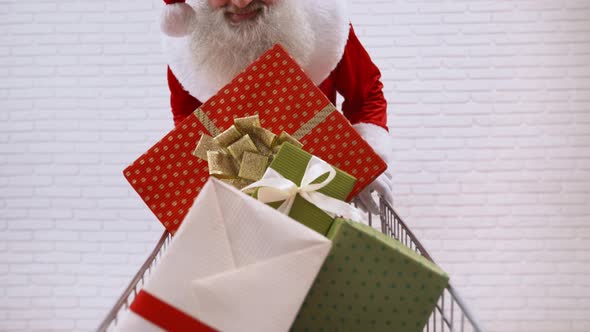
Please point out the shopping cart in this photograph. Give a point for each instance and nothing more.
(450, 314)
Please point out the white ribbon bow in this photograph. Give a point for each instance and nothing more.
(273, 187)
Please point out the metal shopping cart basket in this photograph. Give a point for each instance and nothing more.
(450, 314)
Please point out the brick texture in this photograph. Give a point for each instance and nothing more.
(489, 109)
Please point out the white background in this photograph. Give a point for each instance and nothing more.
(489, 110)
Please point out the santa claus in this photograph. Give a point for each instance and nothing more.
(208, 42)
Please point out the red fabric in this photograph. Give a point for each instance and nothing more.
(358, 80)
(182, 103)
(355, 77)
(164, 315)
(169, 2)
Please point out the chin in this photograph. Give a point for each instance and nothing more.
(248, 25)
(255, 18)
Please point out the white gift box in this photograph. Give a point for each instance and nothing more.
(235, 265)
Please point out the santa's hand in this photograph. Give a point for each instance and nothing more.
(379, 139)
(383, 186)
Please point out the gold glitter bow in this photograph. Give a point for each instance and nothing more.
(241, 154)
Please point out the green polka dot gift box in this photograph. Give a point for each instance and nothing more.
(370, 282)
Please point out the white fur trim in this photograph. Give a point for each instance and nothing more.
(378, 138)
(329, 18)
(176, 19)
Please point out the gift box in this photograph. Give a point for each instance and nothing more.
(296, 166)
(235, 264)
(168, 176)
(370, 282)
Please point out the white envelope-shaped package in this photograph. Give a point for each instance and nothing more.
(235, 264)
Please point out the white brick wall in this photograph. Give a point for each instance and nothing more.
(489, 108)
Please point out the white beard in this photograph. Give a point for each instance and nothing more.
(222, 51)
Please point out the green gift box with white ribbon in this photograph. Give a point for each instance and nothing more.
(370, 282)
(306, 188)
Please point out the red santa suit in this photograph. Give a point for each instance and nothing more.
(339, 64)
(355, 77)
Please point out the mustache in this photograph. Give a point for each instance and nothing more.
(252, 6)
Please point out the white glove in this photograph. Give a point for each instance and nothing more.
(380, 141)
(383, 185)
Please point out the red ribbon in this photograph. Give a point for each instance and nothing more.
(164, 315)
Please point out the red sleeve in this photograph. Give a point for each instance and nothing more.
(181, 102)
(358, 81)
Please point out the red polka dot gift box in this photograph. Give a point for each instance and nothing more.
(168, 176)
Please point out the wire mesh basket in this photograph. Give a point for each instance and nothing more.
(450, 314)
